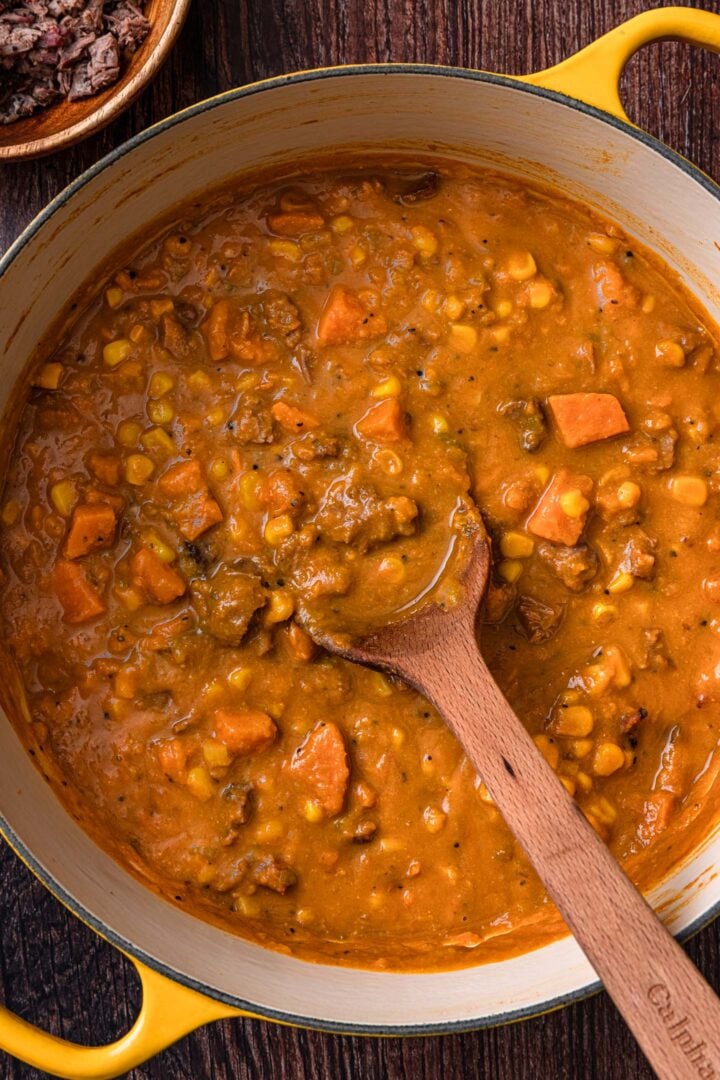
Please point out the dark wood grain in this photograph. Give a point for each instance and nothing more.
(53, 970)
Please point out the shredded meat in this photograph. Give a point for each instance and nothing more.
(654, 655)
(226, 603)
(353, 513)
(575, 566)
(539, 621)
(251, 422)
(54, 49)
(274, 874)
(638, 558)
(529, 417)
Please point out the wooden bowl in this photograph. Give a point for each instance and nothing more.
(66, 123)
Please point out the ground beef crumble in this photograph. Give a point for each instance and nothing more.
(55, 49)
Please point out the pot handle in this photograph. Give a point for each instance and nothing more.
(593, 74)
(168, 1012)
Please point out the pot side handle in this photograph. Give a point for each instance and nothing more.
(168, 1012)
(593, 74)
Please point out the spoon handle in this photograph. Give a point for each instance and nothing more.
(671, 1010)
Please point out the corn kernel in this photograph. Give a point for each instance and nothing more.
(689, 490)
(114, 297)
(548, 749)
(125, 684)
(64, 496)
(510, 570)
(158, 439)
(286, 249)
(580, 748)
(569, 784)
(389, 462)
(434, 819)
(501, 334)
(270, 832)
(604, 811)
(280, 607)
(160, 412)
(397, 737)
(439, 424)
(278, 529)
(503, 309)
(48, 377)
(390, 387)
(11, 512)
(575, 720)
(584, 782)
(116, 351)
(219, 469)
(129, 598)
(621, 676)
(380, 684)
(247, 906)
(129, 432)
(304, 916)
(543, 473)
(161, 383)
(312, 811)
(341, 224)
(199, 783)
(621, 582)
(215, 416)
(609, 757)
(604, 613)
(648, 304)
(250, 490)
(240, 678)
(216, 754)
(454, 307)
(358, 255)
(425, 241)
(539, 294)
(138, 333)
(516, 545)
(392, 570)
(628, 494)
(163, 551)
(198, 381)
(573, 503)
(162, 306)
(606, 245)
(670, 353)
(521, 266)
(431, 300)
(138, 469)
(463, 337)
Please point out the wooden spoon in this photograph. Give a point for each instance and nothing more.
(671, 1010)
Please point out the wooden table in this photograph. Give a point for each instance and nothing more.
(52, 969)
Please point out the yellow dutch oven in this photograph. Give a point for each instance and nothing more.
(566, 126)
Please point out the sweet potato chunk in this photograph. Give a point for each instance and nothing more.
(196, 510)
(292, 419)
(551, 520)
(244, 731)
(344, 320)
(296, 223)
(384, 422)
(587, 418)
(91, 528)
(106, 467)
(79, 599)
(160, 581)
(321, 764)
(217, 330)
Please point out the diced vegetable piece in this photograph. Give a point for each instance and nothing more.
(587, 418)
(172, 755)
(49, 376)
(611, 287)
(79, 599)
(384, 422)
(106, 468)
(160, 581)
(217, 330)
(549, 520)
(321, 764)
(295, 224)
(91, 528)
(182, 480)
(292, 419)
(345, 320)
(244, 731)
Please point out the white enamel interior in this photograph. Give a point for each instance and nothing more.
(483, 121)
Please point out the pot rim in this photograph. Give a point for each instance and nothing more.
(27, 235)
